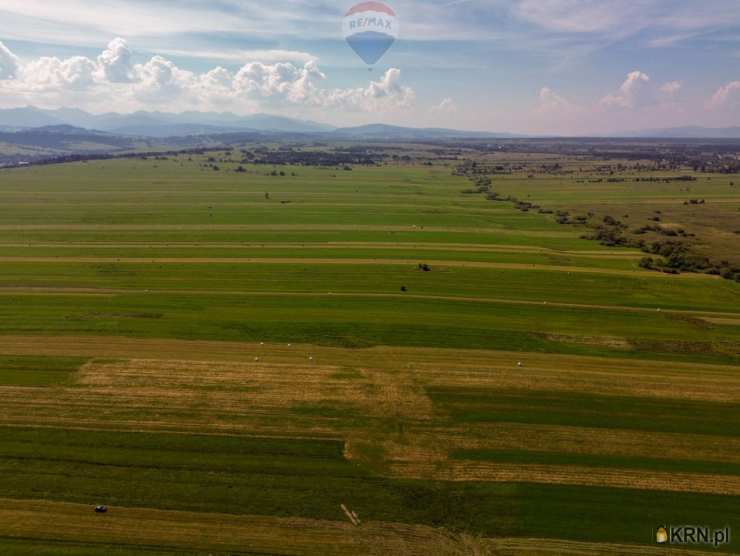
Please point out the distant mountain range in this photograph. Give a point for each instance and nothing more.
(155, 124)
(162, 125)
(390, 132)
(194, 127)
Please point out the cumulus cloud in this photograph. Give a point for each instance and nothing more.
(385, 94)
(279, 82)
(115, 62)
(112, 81)
(633, 92)
(549, 101)
(639, 91)
(727, 96)
(48, 73)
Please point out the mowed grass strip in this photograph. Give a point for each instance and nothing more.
(30, 370)
(545, 284)
(364, 321)
(533, 457)
(442, 262)
(239, 255)
(315, 242)
(589, 410)
(205, 235)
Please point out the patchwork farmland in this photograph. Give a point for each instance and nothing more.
(226, 358)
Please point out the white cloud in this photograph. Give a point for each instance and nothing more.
(550, 101)
(631, 94)
(111, 82)
(671, 89)
(235, 55)
(386, 94)
(727, 96)
(8, 63)
(447, 105)
(282, 81)
(160, 80)
(52, 73)
(115, 62)
(639, 91)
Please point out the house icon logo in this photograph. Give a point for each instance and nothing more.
(661, 535)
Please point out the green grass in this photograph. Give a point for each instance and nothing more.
(551, 408)
(636, 290)
(37, 370)
(292, 478)
(174, 209)
(24, 547)
(358, 321)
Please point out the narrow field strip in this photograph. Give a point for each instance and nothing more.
(399, 246)
(575, 441)
(724, 317)
(611, 381)
(543, 547)
(119, 347)
(363, 262)
(640, 479)
(723, 321)
(281, 227)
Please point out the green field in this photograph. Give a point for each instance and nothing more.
(225, 359)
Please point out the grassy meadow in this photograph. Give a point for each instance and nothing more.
(225, 359)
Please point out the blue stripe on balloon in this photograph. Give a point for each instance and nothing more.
(370, 45)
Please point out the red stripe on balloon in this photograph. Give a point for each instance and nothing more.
(370, 7)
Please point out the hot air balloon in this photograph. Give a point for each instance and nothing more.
(370, 28)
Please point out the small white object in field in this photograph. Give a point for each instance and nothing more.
(520, 364)
(352, 516)
(256, 358)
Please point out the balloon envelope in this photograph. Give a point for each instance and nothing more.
(370, 29)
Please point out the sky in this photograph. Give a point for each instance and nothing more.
(568, 67)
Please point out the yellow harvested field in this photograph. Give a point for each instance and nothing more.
(722, 321)
(573, 475)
